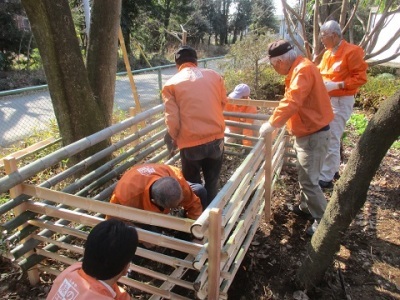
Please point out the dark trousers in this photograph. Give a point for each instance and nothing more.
(208, 159)
(200, 191)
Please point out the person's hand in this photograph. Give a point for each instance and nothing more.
(330, 85)
(265, 128)
(171, 144)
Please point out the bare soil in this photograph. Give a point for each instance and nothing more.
(367, 266)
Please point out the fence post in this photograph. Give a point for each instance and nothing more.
(268, 175)
(128, 70)
(214, 253)
(160, 83)
(10, 166)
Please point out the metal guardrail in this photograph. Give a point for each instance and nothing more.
(157, 68)
(26, 111)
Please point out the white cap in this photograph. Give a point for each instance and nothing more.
(240, 91)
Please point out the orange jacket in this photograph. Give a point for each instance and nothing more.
(346, 65)
(248, 109)
(306, 105)
(133, 189)
(241, 109)
(74, 283)
(194, 101)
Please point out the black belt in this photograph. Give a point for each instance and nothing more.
(325, 128)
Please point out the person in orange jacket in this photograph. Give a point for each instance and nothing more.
(109, 249)
(344, 71)
(241, 91)
(158, 188)
(194, 102)
(307, 112)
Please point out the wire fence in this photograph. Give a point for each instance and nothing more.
(27, 111)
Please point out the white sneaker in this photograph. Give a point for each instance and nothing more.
(311, 230)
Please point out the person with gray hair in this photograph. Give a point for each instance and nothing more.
(159, 188)
(166, 192)
(344, 71)
(306, 111)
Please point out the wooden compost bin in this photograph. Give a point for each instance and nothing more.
(48, 222)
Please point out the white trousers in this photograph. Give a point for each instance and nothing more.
(342, 109)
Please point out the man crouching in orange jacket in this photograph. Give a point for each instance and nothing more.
(158, 188)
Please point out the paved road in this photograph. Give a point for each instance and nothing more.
(24, 114)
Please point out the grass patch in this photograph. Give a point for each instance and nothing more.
(359, 122)
(356, 125)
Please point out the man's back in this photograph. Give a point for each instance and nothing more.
(194, 102)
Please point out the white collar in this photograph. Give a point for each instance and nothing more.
(113, 293)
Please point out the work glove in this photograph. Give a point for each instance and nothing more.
(266, 127)
(330, 85)
(171, 145)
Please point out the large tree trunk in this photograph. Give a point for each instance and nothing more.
(79, 109)
(351, 191)
(102, 53)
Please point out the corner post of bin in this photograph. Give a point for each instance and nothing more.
(10, 166)
(214, 253)
(268, 175)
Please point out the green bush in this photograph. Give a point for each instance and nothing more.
(244, 66)
(376, 70)
(270, 84)
(376, 90)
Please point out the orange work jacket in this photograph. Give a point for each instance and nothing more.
(248, 109)
(306, 106)
(346, 64)
(74, 283)
(194, 102)
(133, 189)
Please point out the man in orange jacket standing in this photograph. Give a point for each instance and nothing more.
(343, 70)
(194, 102)
(109, 249)
(306, 110)
(158, 188)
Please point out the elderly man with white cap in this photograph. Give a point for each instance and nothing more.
(307, 112)
(241, 91)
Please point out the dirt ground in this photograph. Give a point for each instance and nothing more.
(367, 266)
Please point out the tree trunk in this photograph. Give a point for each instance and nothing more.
(78, 108)
(102, 53)
(351, 191)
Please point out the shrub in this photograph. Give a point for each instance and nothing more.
(376, 90)
(376, 70)
(244, 66)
